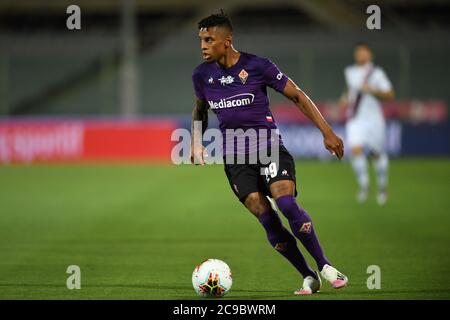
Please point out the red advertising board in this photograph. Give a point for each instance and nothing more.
(91, 140)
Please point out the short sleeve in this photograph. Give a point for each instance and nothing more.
(273, 77)
(382, 82)
(198, 85)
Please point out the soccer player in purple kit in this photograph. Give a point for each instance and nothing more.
(234, 85)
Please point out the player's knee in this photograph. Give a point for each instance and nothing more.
(256, 203)
(356, 151)
(282, 188)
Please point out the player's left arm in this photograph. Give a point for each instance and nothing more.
(331, 141)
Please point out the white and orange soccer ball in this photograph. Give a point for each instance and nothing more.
(212, 278)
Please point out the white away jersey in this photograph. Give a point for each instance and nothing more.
(369, 107)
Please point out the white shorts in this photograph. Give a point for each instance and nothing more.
(370, 135)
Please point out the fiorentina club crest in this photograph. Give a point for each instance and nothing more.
(306, 227)
(281, 246)
(243, 75)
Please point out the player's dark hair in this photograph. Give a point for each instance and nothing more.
(216, 20)
(362, 44)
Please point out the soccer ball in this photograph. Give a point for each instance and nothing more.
(212, 278)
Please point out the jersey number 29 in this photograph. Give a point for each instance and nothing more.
(271, 171)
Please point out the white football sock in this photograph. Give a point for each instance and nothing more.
(381, 167)
(359, 165)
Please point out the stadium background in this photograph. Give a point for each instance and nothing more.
(85, 145)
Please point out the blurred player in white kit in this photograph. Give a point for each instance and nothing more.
(367, 84)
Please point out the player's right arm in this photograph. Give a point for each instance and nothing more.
(198, 127)
(343, 99)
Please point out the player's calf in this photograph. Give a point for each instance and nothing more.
(283, 241)
(381, 167)
(302, 227)
(359, 165)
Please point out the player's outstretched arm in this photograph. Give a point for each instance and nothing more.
(331, 141)
(198, 127)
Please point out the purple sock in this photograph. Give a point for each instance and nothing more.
(284, 242)
(302, 228)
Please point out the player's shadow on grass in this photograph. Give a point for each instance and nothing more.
(253, 294)
(177, 291)
(168, 290)
(236, 293)
(264, 294)
(148, 286)
(41, 285)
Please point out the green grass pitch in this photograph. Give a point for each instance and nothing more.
(137, 232)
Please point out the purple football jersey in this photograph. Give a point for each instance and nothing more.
(238, 96)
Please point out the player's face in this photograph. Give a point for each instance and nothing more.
(213, 43)
(362, 55)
